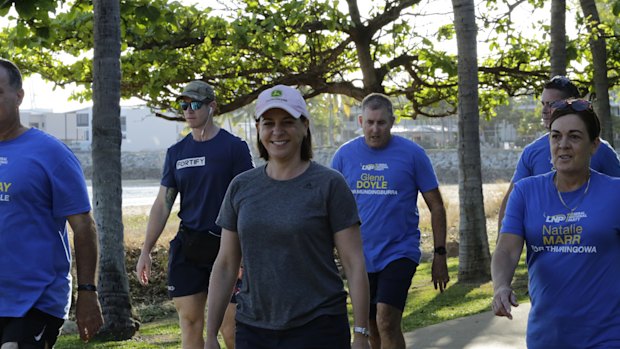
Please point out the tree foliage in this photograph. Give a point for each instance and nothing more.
(247, 46)
(30, 11)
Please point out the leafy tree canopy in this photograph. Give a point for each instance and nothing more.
(246, 46)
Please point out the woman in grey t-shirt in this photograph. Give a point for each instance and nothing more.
(284, 220)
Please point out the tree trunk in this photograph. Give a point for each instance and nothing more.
(474, 256)
(107, 188)
(599, 64)
(558, 37)
(362, 39)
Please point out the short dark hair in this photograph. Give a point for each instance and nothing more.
(15, 76)
(376, 101)
(306, 146)
(564, 85)
(588, 116)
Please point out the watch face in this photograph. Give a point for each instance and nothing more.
(362, 330)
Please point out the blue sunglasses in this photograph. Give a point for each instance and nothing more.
(194, 104)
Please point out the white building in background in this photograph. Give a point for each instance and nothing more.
(141, 129)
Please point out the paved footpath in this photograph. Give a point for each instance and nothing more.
(481, 331)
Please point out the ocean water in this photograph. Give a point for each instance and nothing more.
(135, 192)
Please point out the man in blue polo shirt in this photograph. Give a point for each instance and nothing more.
(41, 188)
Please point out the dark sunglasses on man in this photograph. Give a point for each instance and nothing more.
(195, 105)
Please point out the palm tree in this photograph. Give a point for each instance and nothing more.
(106, 153)
(474, 256)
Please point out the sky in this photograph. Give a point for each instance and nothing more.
(40, 94)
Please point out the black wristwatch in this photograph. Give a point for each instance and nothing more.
(441, 250)
(87, 287)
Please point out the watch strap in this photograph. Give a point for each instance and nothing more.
(441, 250)
(87, 287)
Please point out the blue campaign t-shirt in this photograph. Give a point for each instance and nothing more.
(385, 183)
(201, 172)
(536, 159)
(573, 260)
(41, 183)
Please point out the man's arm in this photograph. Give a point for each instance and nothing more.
(435, 205)
(87, 310)
(160, 211)
(502, 210)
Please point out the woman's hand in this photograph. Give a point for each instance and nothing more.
(503, 299)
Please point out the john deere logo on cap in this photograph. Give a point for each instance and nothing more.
(276, 93)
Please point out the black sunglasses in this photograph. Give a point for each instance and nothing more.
(194, 104)
(572, 104)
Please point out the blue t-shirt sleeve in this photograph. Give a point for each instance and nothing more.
(336, 161)
(167, 178)
(68, 186)
(424, 174)
(605, 160)
(522, 170)
(515, 212)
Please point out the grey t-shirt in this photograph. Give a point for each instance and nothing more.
(286, 230)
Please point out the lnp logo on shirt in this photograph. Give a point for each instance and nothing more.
(3, 160)
(569, 217)
(374, 167)
(191, 162)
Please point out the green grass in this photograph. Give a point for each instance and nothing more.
(425, 306)
(161, 334)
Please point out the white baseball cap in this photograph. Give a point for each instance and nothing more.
(282, 97)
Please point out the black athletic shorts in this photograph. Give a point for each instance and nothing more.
(186, 277)
(33, 331)
(324, 332)
(391, 285)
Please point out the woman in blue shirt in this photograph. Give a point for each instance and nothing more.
(568, 220)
